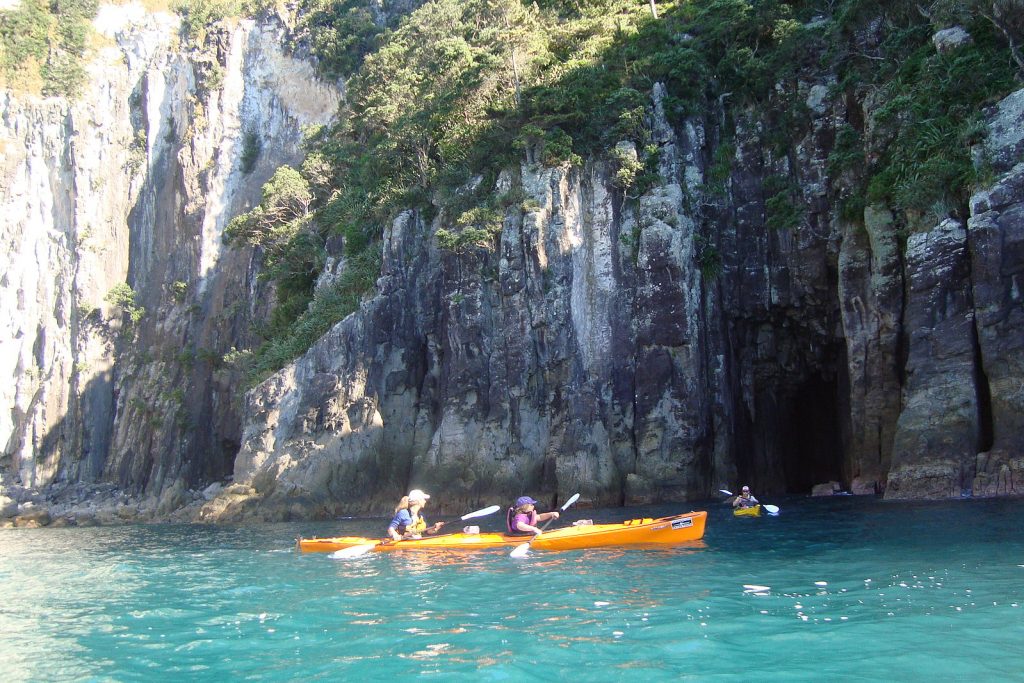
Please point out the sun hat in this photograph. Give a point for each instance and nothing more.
(525, 500)
(416, 494)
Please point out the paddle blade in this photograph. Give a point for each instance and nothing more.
(481, 513)
(771, 509)
(520, 551)
(352, 551)
(728, 493)
(571, 500)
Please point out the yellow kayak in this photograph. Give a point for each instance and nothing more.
(671, 530)
(753, 511)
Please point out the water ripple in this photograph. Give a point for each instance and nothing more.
(803, 596)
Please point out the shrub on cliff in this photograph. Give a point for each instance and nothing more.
(42, 45)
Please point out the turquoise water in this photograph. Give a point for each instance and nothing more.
(859, 590)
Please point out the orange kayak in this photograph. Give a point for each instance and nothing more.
(671, 530)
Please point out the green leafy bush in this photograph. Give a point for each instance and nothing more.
(198, 15)
(476, 227)
(179, 290)
(317, 317)
(340, 34)
(45, 43)
(251, 147)
(124, 297)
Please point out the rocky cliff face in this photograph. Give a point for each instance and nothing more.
(635, 346)
(594, 350)
(133, 184)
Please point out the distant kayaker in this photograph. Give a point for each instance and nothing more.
(522, 518)
(407, 522)
(744, 500)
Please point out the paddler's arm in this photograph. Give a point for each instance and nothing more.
(400, 519)
(535, 530)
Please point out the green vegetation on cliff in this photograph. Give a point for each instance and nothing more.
(42, 43)
(441, 100)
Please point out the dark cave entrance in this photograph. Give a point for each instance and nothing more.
(809, 437)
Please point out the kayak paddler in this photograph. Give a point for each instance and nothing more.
(407, 522)
(744, 500)
(522, 518)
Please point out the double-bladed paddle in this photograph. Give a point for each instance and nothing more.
(522, 550)
(770, 509)
(363, 548)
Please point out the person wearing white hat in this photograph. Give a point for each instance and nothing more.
(744, 500)
(408, 523)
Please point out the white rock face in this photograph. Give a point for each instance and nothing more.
(265, 94)
(1005, 142)
(109, 189)
(949, 39)
(67, 189)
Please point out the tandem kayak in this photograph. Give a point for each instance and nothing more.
(671, 530)
(752, 511)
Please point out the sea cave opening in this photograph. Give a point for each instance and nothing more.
(810, 443)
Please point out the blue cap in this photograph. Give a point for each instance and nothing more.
(525, 500)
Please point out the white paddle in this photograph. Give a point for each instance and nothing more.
(770, 509)
(353, 551)
(363, 548)
(522, 550)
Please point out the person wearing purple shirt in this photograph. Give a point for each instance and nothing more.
(522, 518)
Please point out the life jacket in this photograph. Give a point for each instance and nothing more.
(418, 526)
(510, 517)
